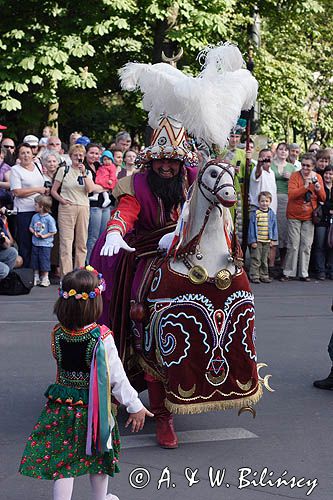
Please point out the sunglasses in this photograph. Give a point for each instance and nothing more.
(8, 147)
(54, 144)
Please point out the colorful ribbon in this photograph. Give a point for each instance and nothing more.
(100, 418)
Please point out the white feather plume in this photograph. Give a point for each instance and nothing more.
(207, 105)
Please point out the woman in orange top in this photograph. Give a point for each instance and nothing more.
(305, 189)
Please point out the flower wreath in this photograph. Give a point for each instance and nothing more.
(86, 295)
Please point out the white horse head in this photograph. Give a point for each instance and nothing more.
(216, 183)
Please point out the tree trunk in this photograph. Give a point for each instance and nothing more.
(52, 120)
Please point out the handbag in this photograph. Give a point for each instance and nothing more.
(317, 215)
(17, 282)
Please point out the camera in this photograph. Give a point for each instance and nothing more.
(6, 212)
(80, 178)
(314, 180)
(48, 184)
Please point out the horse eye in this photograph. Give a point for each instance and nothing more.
(213, 174)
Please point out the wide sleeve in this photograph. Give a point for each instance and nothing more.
(125, 215)
(121, 388)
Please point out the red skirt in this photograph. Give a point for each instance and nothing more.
(200, 341)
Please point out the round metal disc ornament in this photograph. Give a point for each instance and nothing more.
(223, 279)
(198, 275)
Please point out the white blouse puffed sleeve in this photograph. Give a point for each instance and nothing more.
(121, 387)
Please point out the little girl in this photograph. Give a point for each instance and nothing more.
(106, 177)
(77, 432)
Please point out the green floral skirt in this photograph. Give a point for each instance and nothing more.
(56, 447)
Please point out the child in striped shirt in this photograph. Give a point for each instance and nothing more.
(262, 234)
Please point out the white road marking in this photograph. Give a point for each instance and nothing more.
(189, 437)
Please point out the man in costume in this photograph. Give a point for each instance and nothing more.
(149, 204)
(148, 208)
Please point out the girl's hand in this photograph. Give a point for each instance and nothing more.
(286, 175)
(254, 245)
(138, 419)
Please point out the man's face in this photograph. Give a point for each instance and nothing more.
(54, 143)
(167, 169)
(9, 145)
(234, 140)
(294, 153)
(118, 158)
(124, 144)
(265, 159)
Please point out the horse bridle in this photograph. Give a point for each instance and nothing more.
(215, 190)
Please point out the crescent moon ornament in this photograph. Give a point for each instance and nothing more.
(259, 366)
(173, 59)
(249, 409)
(245, 387)
(266, 383)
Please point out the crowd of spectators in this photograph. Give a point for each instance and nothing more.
(42, 180)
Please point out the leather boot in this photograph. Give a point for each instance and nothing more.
(327, 383)
(165, 433)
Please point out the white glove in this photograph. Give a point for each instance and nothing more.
(113, 243)
(165, 241)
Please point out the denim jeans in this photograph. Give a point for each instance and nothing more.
(323, 255)
(98, 219)
(7, 261)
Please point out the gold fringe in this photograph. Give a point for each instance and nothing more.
(148, 369)
(214, 405)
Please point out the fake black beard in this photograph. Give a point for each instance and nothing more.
(170, 191)
(10, 158)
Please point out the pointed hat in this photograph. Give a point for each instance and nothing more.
(169, 142)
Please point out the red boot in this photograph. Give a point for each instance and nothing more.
(165, 433)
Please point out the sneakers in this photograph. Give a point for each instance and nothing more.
(45, 282)
(36, 279)
(266, 279)
(255, 280)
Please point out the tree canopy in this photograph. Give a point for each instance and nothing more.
(67, 54)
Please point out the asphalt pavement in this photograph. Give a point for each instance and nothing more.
(290, 441)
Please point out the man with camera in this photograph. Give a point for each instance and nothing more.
(263, 179)
(8, 254)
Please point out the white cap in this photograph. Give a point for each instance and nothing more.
(43, 141)
(32, 140)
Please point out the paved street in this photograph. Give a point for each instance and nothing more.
(292, 430)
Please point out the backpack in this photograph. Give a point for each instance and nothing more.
(18, 282)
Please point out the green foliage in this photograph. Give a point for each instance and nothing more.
(70, 52)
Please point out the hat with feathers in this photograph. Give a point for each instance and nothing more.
(208, 105)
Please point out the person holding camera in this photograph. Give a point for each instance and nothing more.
(71, 187)
(8, 254)
(26, 181)
(304, 191)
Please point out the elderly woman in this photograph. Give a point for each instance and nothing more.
(282, 170)
(71, 187)
(26, 181)
(304, 191)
